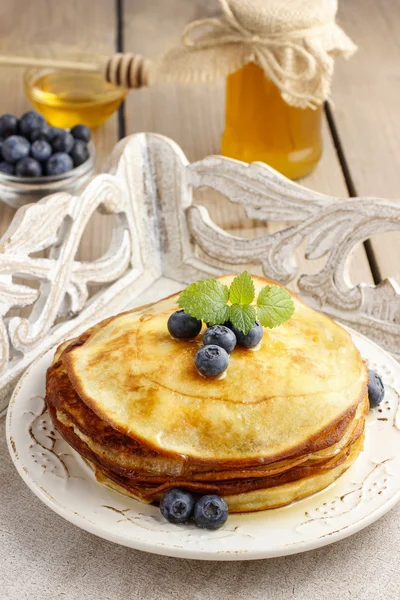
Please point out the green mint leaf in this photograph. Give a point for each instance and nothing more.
(242, 317)
(274, 306)
(206, 300)
(241, 290)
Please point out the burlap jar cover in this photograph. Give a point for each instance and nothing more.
(293, 41)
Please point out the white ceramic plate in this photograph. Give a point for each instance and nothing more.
(60, 478)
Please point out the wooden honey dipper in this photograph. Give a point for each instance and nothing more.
(122, 69)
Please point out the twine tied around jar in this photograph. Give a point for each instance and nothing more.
(298, 59)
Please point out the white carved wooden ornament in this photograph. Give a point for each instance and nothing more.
(160, 234)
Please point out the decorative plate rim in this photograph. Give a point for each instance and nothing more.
(182, 551)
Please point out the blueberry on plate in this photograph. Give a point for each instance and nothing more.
(211, 361)
(177, 506)
(219, 335)
(183, 326)
(40, 133)
(28, 167)
(376, 389)
(62, 141)
(79, 153)
(8, 125)
(6, 167)
(29, 121)
(14, 148)
(251, 339)
(41, 150)
(210, 512)
(58, 163)
(81, 132)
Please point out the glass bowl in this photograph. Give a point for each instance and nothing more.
(66, 98)
(18, 191)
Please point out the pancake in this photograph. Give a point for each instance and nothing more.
(287, 420)
(218, 478)
(285, 494)
(126, 455)
(257, 500)
(237, 492)
(306, 376)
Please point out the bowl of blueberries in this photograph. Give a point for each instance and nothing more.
(37, 159)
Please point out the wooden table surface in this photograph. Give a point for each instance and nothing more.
(361, 131)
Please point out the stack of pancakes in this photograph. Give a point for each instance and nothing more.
(285, 422)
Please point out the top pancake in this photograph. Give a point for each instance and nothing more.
(273, 403)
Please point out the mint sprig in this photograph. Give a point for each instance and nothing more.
(242, 316)
(241, 290)
(208, 299)
(274, 306)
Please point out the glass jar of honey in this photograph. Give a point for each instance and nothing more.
(277, 59)
(261, 126)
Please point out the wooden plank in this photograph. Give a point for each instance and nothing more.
(365, 96)
(193, 116)
(44, 26)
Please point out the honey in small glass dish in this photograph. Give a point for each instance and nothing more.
(66, 98)
(261, 126)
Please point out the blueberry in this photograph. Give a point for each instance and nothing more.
(51, 132)
(183, 326)
(8, 125)
(41, 150)
(211, 360)
(6, 167)
(40, 133)
(28, 167)
(79, 153)
(58, 163)
(81, 132)
(177, 506)
(29, 121)
(14, 148)
(251, 339)
(210, 512)
(219, 335)
(62, 141)
(227, 324)
(376, 389)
